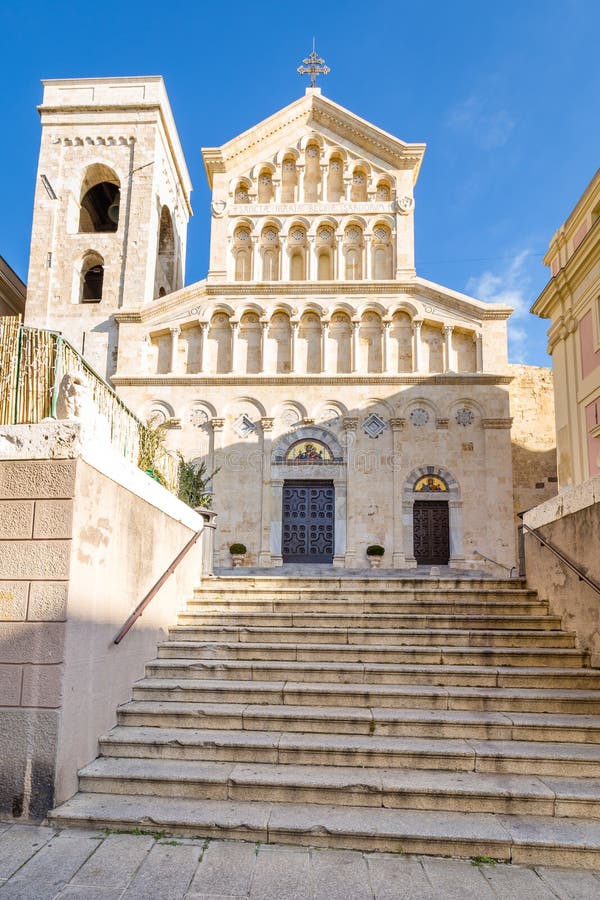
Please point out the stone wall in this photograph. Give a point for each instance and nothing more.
(82, 539)
(571, 522)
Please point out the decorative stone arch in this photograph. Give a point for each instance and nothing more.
(333, 470)
(454, 498)
(159, 412)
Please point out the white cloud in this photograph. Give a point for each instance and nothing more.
(510, 288)
(488, 127)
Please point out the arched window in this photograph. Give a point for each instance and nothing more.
(297, 244)
(335, 180)
(100, 200)
(382, 252)
(353, 253)
(241, 193)
(92, 278)
(165, 260)
(383, 191)
(265, 187)
(358, 192)
(242, 254)
(325, 244)
(270, 253)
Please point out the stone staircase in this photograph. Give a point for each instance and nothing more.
(444, 716)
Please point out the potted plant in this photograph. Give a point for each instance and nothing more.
(238, 553)
(374, 555)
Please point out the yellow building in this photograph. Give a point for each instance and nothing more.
(571, 299)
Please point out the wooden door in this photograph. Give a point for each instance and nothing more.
(431, 530)
(308, 521)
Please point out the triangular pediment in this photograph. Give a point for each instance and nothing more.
(311, 115)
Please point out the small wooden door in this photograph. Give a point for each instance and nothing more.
(308, 522)
(431, 530)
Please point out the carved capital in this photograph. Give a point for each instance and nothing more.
(397, 424)
(349, 423)
(217, 424)
(267, 423)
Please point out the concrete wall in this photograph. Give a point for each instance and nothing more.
(82, 539)
(570, 521)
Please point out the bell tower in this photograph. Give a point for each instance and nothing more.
(111, 208)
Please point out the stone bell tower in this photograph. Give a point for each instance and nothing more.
(112, 202)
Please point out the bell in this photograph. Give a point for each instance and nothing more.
(113, 210)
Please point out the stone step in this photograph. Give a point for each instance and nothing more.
(305, 693)
(369, 653)
(168, 666)
(372, 620)
(373, 582)
(345, 786)
(414, 636)
(374, 751)
(428, 723)
(529, 840)
(435, 606)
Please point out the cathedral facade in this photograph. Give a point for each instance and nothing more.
(344, 400)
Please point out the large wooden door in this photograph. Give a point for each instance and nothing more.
(431, 533)
(308, 521)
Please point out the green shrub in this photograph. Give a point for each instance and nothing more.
(375, 550)
(237, 549)
(193, 482)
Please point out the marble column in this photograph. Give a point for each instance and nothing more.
(368, 260)
(398, 558)
(311, 259)
(300, 185)
(285, 258)
(203, 346)
(264, 556)
(146, 354)
(347, 186)
(387, 353)
(277, 186)
(355, 344)
(478, 339)
(256, 273)
(417, 354)
(234, 345)
(323, 185)
(175, 332)
(294, 348)
(449, 365)
(263, 344)
(338, 261)
(350, 425)
(324, 343)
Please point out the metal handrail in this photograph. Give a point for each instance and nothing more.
(154, 590)
(510, 569)
(563, 558)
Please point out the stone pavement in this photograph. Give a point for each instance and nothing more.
(41, 863)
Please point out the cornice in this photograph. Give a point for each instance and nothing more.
(569, 277)
(325, 380)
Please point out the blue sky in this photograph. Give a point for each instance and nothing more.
(505, 95)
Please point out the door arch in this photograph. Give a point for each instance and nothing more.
(432, 509)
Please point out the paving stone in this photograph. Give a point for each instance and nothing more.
(398, 877)
(226, 869)
(52, 867)
(456, 879)
(165, 874)
(19, 843)
(281, 872)
(115, 862)
(339, 874)
(516, 881)
(571, 884)
(89, 892)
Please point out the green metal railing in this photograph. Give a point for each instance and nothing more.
(33, 362)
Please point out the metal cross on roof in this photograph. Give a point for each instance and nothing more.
(313, 65)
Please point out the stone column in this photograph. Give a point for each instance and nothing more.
(300, 185)
(324, 342)
(264, 556)
(146, 354)
(350, 425)
(398, 557)
(277, 186)
(386, 361)
(276, 513)
(294, 348)
(175, 332)
(347, 186)
(338, 257)
(263, 344)
(368, 260)
(417, 356)
(355, 344)
(311, 259)
(234, 345)
(478, 339)
(323, 185)
(203, 346)
(448, 351)
(256, 274)
(285, 259)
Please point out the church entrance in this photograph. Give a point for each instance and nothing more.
(431, 532)
(308, 522)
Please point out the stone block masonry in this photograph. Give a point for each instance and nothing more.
(83, 536)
